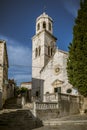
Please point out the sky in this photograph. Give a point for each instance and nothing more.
(17, 27)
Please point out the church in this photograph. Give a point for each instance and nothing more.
(49, 73)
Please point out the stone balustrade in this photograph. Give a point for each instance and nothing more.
(56, 97)
(45, 105)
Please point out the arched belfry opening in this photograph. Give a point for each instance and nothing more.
(50, 26)
(44, 25)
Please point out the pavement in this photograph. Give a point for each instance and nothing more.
(65, 127)
(74, 122)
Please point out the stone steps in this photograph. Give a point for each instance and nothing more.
(20, 118)
(11, 104)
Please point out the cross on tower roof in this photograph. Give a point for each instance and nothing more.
(44, 9)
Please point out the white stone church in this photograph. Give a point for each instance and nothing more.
(49, 74)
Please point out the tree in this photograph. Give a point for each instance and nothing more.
(77, 61)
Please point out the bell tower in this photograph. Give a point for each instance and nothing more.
(43, 48)
(44, 22)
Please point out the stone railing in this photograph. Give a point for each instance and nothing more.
(56, 97)
(68, 97)
(45, 105)
(53, 97)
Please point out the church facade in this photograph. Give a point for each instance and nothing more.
(49, 74)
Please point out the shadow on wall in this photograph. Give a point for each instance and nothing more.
(19, 120)
(37, 89)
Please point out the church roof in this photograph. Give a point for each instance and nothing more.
(63, 51)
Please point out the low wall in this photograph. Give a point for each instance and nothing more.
(66, 105)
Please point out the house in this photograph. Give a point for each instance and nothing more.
(49, 74)
(3, 72)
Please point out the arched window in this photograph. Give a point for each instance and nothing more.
(38, 26)
(36, 52)
(39, 50)
(50, 26)
(49, 50)
(44, 24)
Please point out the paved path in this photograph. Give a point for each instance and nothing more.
(75, 122)
(65, 127)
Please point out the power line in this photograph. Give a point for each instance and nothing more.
(16, 65)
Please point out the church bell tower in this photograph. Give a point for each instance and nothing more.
(43, 48)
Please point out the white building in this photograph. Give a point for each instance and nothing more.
(49, 74)
(27, 85)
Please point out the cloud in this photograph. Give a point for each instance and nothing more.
(19, 60)
(22, 78)
(71, 6)
(19, 55)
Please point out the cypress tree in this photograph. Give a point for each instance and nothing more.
(77, 61)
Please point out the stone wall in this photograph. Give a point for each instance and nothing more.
(68, 104)
(68, 108)
(0, 100)
(47, 114)
(83, 105)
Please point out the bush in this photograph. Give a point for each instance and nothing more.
(23, 90)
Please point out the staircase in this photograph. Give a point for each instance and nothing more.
(11, 104)
(12, 119)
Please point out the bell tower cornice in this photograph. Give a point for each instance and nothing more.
(44, 31)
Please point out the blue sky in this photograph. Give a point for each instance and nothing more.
(17, 27)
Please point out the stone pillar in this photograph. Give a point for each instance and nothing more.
(34, 108)
(23, 101)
